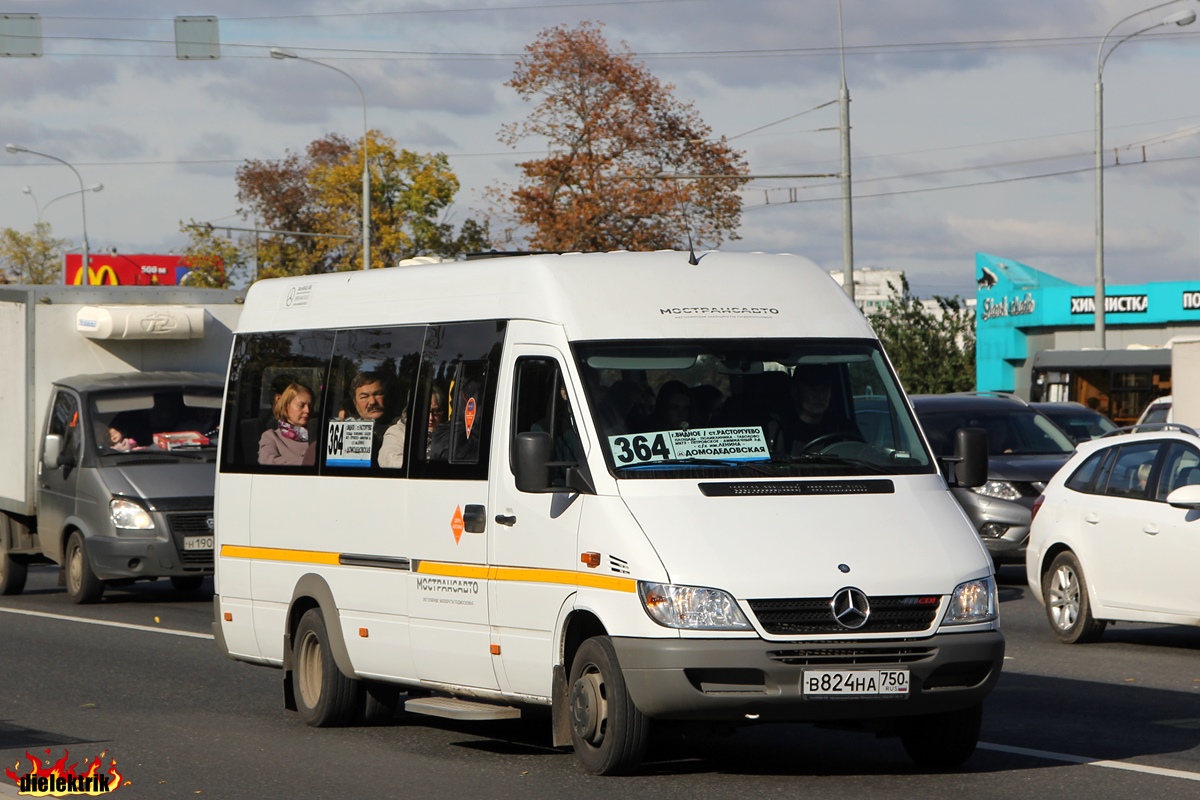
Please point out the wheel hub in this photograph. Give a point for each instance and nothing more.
(588, 708)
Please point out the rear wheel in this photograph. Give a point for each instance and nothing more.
(942, 741)
(325, 697)
(608, 733)
(82, 584)
(1067, 605)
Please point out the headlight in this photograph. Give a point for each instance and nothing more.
(973, 601)
(1001, 490)
(691, 607)
(126, 514)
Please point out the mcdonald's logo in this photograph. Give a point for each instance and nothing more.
(106, 275)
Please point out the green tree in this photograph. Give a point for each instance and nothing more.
(214, 259)
(320, 192)
(611, 127)
(933, 352)
(34, 257)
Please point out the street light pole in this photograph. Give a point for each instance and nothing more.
(99, 187)
(847, 216)
(279, 53)
(1178, 18)
(14, 148)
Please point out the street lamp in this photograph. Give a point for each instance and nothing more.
(99, 187)
(279, 53)
(1186, 17)
(29, 191)
(15, 148)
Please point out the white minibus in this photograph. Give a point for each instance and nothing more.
(622, 487)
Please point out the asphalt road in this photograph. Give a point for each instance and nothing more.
(138, 679)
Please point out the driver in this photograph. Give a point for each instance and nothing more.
(811, 389)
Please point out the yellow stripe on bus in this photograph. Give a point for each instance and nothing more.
(278, 554)
(527, 575)
(445, 569)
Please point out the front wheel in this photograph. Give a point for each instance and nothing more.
(82, 584)
(608, 733)
(1067, 605)
(325, 697)
(942, 741)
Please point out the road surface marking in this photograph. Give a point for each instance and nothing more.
(1094, 762)
(106, 623)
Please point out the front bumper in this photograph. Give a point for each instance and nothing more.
(159, 553)
(729, 679)
(1009, 519)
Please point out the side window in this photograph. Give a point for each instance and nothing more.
(1181, 467)
(456, 394)
(1131, 470)
(64, 422)
(1081, 481)
(540, 404)
(371, 387)
(275, 399)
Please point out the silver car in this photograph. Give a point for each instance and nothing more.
(1025, 449)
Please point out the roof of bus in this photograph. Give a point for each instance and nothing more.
(621, 295)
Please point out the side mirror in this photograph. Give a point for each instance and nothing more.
(971, 457)
(1185, 497)
(532, 456)
(52, 451)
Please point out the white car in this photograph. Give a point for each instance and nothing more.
(1116, 534)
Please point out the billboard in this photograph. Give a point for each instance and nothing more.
(121, 269)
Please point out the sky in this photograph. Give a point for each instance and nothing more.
(972, 124)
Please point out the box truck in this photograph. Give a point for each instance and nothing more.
(111, 407)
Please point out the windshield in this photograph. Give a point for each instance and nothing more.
(1020, 432)
(151, 420)
(749, 407)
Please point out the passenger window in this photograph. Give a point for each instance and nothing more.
(1081, 481)
(456, 394)
(1180, 468)
(270, 370)
(1131, 471)
(371, 386)
(540, 403)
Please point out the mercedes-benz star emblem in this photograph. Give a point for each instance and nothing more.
(850, 608)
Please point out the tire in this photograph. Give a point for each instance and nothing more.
(942, 741)
(1068, 608)
(82, 584)
(608, 733)
(325, 697)
(13, 569)
(187, 583)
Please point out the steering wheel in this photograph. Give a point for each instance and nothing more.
(821, 441)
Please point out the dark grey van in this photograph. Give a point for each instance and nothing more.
(126, 476)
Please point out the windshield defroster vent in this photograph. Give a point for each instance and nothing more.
(761, 488)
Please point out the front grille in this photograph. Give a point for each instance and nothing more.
(1029, 488)
(814, 615)
(852, 656)
(191, 525)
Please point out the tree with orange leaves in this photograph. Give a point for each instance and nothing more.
(614, 133)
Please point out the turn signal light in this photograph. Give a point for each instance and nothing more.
(591, 559)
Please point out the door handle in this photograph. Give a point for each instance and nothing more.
(501, 519)
(1092, 519)
(474, 518)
